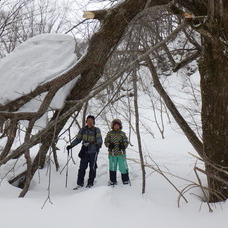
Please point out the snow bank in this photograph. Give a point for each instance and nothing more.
(34, 62)
(103, 206)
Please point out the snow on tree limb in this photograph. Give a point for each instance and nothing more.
(34, 139)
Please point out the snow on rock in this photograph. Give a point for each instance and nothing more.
(34, 62)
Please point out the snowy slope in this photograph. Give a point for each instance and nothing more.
(122, 206)
(34, 62)
(43, 58)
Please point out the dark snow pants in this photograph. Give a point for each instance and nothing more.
(91, 160)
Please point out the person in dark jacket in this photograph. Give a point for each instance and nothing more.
(117, 142)
(91, 139)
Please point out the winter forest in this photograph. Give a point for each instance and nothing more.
(153, 73)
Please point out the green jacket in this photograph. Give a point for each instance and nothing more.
(116, 137)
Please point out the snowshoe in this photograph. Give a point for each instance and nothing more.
(127, 182)
(112, 183)
(89, 185)
(78, 187)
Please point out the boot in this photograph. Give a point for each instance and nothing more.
(125, 178)
(112, 175)
(89, 185)
(78, 187)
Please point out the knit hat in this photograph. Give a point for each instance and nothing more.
(116, 121)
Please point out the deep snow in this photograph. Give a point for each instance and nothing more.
(34, 62)
(100, 206)
(121, 206)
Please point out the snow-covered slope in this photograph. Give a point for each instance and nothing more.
(43, 58)
(122, 206)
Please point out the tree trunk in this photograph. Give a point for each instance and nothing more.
(213, 69)
(214, 89)
(90, 67)
(47, 140)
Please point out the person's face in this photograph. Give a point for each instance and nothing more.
(90, 122)
(116, 127)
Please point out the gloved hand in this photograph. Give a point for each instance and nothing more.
(86, 144)
(111, 146)
(121, 146)
(98, 146)
(68, 147)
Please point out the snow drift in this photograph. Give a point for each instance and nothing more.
(34, 62)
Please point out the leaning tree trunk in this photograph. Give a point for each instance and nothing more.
(47, 141)
(91, 66)
(214, 88)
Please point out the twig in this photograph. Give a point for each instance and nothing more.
(49, 186)
(158, 170)
(81, 22)
(200, 184)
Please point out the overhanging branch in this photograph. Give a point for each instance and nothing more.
(35, 139)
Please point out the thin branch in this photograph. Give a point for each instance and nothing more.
(186, 61)
(158, 170)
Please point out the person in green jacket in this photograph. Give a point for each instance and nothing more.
(117, 142)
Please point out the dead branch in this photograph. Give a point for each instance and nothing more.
(186, 61)
(158, 170)
(190, 134)
(97, 14)
(28, 161)
(11, 134)
(201, 186)
(49, 187)
(212, 176)
(2, 178)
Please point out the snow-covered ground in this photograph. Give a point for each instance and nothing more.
(121, 206)
(102, 205)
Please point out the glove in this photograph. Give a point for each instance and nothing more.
(86, 144)
(68, 147)
(98, 146)
(121, 146)
(111, 146)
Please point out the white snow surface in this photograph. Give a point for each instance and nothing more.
(34, 62)
(43, 58)
(103, 206)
